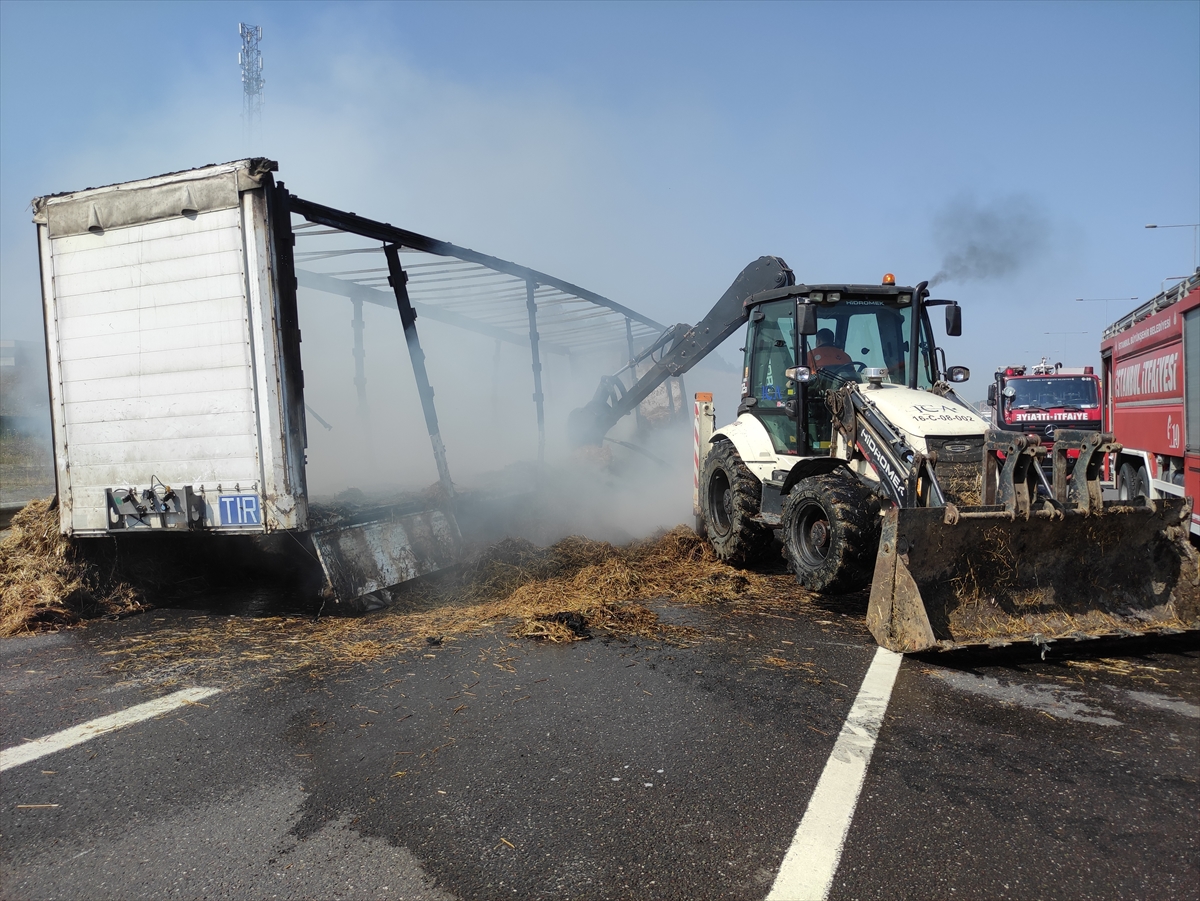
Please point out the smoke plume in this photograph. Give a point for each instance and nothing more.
(987, 241)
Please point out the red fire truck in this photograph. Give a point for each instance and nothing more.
(1042, 399)
(1151, 377)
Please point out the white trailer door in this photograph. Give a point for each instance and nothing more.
(151, 350)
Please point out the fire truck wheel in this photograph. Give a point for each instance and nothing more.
(1131, 482)
(831, 532)
(1124, 482)
(730, 498)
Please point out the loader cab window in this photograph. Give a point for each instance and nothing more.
(866, 333)
(768, 356)
(871, 333)
(852, 335)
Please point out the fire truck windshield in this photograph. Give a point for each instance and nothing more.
(1053, 393)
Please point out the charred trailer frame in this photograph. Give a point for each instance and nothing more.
(177, 388)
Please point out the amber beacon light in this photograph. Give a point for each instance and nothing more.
(889, 279)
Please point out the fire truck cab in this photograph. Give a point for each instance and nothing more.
(1041, 399)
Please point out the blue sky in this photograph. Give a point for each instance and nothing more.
(650, 151)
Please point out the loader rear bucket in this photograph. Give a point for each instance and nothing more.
(946, 579)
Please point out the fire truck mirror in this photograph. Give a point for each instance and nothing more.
(992, 395)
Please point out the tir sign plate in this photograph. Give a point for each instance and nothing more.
(240, 510)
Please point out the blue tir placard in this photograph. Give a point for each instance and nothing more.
(240, 510)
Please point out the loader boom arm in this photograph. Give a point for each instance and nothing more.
(900, 468)
(675, 352)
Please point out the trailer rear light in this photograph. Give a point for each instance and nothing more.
(889, 279)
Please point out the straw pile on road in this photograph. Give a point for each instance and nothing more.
(512, 589)
(561, 592)
(45, 581)
(556, 593)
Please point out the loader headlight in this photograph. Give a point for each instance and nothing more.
(799, 374)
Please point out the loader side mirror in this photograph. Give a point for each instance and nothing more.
(992, 394)
(958, 373)
(954, 321)
(807, 319)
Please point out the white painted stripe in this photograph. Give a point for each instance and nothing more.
(77, 735)
(810, 864)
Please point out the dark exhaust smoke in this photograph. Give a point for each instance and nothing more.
(987, 241)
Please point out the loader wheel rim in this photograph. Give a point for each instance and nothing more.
(813, 534)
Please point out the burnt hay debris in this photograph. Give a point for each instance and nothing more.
(46, 581)
(566, 592)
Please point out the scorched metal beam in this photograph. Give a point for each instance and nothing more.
(390, 234)
(318, 281)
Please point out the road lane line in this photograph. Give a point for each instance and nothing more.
(77, 735)
(811, 862)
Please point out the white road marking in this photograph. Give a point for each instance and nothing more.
(77, 735)
(810, 864)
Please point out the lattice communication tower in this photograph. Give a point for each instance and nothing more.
(252, 81)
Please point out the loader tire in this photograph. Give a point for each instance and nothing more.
(730, 499)
(831, 532)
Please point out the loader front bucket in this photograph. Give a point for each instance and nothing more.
(946, 578)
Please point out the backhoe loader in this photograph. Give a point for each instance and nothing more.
(852, 450)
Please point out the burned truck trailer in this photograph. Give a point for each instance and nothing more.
(173, 346)
(177, 392)
(174, 355)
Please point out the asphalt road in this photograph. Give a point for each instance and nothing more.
(488, 767)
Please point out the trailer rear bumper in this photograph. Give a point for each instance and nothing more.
(365, 558)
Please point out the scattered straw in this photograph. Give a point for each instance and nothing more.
(513, 589)
(560, 592)
(961, 483)
(1117, 666)
(46, 582)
